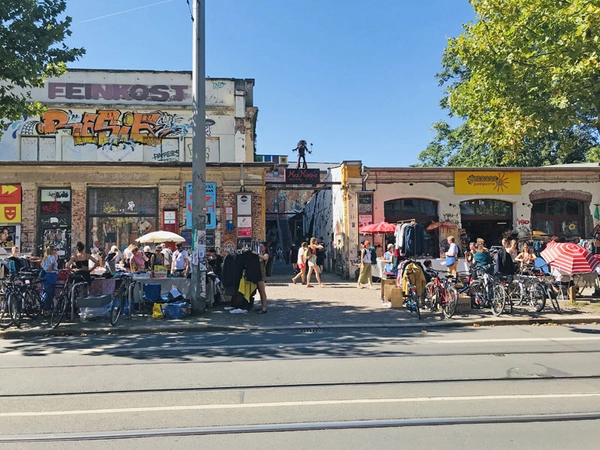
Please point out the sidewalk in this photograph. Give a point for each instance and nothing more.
(339, 304)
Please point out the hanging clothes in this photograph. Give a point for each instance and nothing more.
(413, 273)
(414, 239)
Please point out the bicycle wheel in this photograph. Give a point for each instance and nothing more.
(498, 300)
(429, 300)
(59, 311)
(415, 299)
(5, 317)
(116, 308)
(537, 297)
(449, 302)
(14, 308)
(33, 303)
(517, 293)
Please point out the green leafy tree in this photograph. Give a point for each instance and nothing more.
(31, 37)
(525, 77)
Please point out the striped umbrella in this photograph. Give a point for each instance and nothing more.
(570, 258)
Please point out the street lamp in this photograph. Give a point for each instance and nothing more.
(199, 124)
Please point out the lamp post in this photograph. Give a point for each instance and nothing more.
(199, 122)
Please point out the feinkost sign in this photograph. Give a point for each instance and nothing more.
(492, 182)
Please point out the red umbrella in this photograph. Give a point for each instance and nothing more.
(381, 227)
(570, 258)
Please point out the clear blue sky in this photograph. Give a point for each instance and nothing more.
(353, 77)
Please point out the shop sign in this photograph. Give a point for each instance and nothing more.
(488, 182)
(244, 205)
(302, 176)
(211, 206)
(365, 203)
(55, 195)
(244, 226)
(10, 203)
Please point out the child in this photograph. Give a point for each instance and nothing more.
(429, 272)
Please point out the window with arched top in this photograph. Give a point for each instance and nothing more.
(560, 217)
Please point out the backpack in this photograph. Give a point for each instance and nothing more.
(373, 255)
(460, 252)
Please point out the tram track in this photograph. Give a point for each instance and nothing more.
(350, 384)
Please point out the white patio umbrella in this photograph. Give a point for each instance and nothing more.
(158, 237)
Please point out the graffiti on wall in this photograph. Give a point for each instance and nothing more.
(113, 129)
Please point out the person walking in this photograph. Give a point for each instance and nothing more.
(452, 256)
(312, 262)
(366, 268)
(293, 257)
(321, 255)
(301, 263)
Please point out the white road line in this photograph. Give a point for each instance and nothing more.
(296, 404)
(509, 340)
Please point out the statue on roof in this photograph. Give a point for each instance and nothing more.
(301, 149)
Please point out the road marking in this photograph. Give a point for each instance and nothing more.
(77, 412)
(508, 340)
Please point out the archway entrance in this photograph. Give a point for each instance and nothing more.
(487, 219)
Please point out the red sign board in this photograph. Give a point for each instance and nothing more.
(10, 194)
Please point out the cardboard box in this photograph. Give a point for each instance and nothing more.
(396, 297)
(463, 303)
(385, 282)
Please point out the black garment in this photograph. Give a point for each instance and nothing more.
(216, 265)
(320, 256)
(414, 239)
(504, 263)
(294, 254)
(149, 264)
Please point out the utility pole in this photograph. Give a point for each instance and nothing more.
(198, 258)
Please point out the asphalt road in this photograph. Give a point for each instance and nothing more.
(524, 386)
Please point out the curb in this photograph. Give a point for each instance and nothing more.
(201, 328)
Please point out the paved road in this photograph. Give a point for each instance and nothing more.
(349, 388)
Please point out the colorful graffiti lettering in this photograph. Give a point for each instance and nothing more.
(112, 128)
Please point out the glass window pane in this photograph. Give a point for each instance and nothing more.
(569, 228)
(502, 208)
(428, 208)
(410, 207)
(539, 208)
(122, 201)
(546, 226)
(485, 207)
(467, 208)
(556, 207)
(391, 208)
(572, 208)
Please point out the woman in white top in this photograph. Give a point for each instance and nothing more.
(301, 263)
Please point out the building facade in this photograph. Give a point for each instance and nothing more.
(561, 201)
(110, 159)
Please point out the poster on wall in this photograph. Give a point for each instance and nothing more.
(365, 204)
(244, 226)
(211, 206)
(9, 236)
(57, 238)
(10, 203)
(244, 205)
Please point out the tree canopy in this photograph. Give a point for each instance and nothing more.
(31, 37)
(525, 77)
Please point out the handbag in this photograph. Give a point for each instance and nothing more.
(450, 260)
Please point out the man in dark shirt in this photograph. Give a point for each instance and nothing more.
(294, 257)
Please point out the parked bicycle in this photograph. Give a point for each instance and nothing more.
(412, 302)
(442, 294)
(75, 287)
(122, 297)
(487, 291)
(22, 295)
